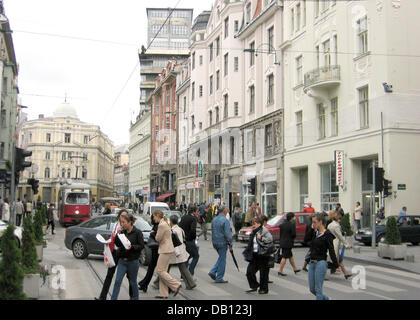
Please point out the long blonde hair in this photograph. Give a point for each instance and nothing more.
(159, 213)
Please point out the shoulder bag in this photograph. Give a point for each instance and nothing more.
(175, 240)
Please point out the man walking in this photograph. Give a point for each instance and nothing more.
(222, 239)
(202, 218)
(19, 212)
(50, 216)
(189, 225)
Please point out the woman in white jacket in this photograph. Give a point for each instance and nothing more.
(180, 256)
(335, 228)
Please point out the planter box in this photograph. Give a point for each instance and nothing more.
(393, 252)
(39, 251)
(31, 285)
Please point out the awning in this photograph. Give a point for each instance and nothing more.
(164, 196)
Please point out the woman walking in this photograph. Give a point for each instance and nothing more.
(107, 209)
(144, 283)
(128, 258)
(114, 250)
(181, 255)
(321, 241)
(166, 249)
(5, 211)
(287, 237)
(335, 228)
(257, 255)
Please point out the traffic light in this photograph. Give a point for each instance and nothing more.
(387, 188)
(379, 179)
(21, 164)
(34, 184)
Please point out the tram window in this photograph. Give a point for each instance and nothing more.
(77, 198)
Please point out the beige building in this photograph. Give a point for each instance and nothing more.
(353, 86)
(121, 171)
(63, 147)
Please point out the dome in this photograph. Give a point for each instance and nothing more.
(65, 110)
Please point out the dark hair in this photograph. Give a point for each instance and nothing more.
(290, 216)
(320, 216)
(174, 219)
(264, 218)
(121, 212)
(192, 208)
(129, 217)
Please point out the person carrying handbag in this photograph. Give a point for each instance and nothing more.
(260, 247)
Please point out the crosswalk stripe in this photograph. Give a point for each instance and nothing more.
(383, 287)
(304, 290)
(243, 283)
(394, 279)
(396, 272)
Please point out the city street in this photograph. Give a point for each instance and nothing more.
(84, 278)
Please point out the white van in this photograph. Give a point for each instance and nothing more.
(150, 207)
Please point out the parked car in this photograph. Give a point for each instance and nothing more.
(273, 225)
(116, 210)
(17, 233)
(409, 227)
(81, 239)
(169, 213)
(150, 207)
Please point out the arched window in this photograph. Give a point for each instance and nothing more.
(63, 173)
(68, 173)
(47, 173)
(84, 173)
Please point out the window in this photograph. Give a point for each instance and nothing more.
(299, 128)
(64, 156)
(226, 64)
(226, 27)
(298, 16)
(248, 13)
(335, 50)
(232, 150)
(68, 173)
(225, 106)
(364, 107)
(252, 54)
(327, 55)
(329, 189)
(85, 156)
(47, 155)
(217, 80)
(2, 147)
(363, 35)
(200, 125)
(86, 139)
(201, 60)
(236, 108)
(236, 25)
(63, 173)
(48, 137)
(211, 52)
(185, 104)
(210, 118)
(69, 155)
(321, 121)
(269, 198)
(299, 72)
(193, 91)
(251, 99)
(211, 85)
(168, 123)
(83, 198)
(67, 137)
(193, 60)
(270, 36)
(292, 20)
(3, 118)
(217, 46)
(47, 173)
(303, 187)
(236, 64)
(217, 114)
(334, 117)
(270, 96)
(84, 173)
(192, 123)
(201, 91)
(269, 135)
(317, 56)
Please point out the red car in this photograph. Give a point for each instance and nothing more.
(273, 225)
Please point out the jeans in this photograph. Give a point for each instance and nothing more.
(192, 250)
(132, 268)
(220, 266)
(316, 275)
(108, 279)
(358, 224)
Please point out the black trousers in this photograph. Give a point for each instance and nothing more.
(258, 263)
(108, 280)
(144, 283)
(52, 225)
(18, 219)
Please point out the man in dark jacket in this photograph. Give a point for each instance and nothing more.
(189, 225)
(287, 237)
(50, 216)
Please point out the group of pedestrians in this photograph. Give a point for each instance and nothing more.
(22, 209)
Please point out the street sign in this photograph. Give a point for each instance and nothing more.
(339, 167)
(402, 187)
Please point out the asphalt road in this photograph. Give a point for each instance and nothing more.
(83, 278)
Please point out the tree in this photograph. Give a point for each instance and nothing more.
(39, 235)
(29, 257)
(392, 233)
(11, 273)
(346, 226)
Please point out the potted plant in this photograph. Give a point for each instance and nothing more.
(392, 247)
(39, 234)
(30, 261)
(346, 228)
(11, 273)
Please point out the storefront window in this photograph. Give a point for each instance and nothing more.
(248, 197)
(329, 189)
(269, 198)
(303, 188)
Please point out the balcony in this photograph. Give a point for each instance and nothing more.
(322, 78)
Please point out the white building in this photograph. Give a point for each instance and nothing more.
(337, 57)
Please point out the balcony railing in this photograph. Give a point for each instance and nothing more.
(322, 76)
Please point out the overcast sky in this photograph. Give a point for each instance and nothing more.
(91, 73)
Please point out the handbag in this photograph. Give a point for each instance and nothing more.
(152, 243)
(175, 240)
(277, 256)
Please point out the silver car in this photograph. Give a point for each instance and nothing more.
(81, 239)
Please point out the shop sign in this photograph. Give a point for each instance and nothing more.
(339, 167)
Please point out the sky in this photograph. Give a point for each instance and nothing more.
(101, 79)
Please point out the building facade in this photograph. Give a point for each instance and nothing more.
(121, 172)
(63, 147)
(353, 89)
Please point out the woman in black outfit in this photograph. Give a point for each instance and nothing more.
(143, 284)
(287, 237)
(321, 241)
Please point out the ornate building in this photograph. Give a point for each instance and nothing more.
(63, 147)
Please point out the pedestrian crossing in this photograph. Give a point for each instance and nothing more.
(381, 283)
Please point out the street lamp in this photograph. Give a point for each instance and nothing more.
(271, 50)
